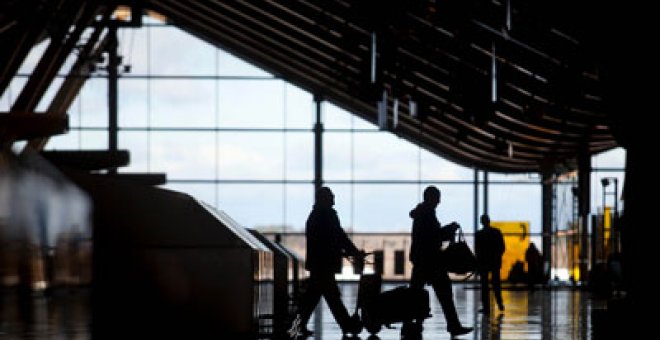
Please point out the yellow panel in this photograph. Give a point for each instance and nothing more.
(516, 239)
(575, 272)
(607, 223)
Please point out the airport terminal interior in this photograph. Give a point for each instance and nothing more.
(160, 159)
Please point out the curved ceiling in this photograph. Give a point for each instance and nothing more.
(502, 86)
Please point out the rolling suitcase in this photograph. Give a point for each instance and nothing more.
(400, 304)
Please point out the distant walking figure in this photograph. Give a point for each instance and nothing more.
(534, 266)
(427, 258)
(327, 243)
(489, 247)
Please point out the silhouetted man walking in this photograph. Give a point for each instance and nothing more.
(427, 259)
(327, 243)
(489, 248)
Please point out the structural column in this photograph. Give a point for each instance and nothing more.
(113, 64)
(318, 180)
(486, 192)
(318, 145)
(476, 201)
(546, 219)
(584, 207)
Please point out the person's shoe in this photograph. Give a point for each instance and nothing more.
(460, 331)
(353, 325)
(298, 330)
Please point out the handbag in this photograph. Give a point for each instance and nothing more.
(458, 257)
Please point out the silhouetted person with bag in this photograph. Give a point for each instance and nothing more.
(427, 258)
(489, 248)
(327, 243)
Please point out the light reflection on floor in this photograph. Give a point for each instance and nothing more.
(557, 314)
(62, 315)
(543, 314)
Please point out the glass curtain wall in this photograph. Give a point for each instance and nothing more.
(241, 139)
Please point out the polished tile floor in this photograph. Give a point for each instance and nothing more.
(63, 315)
(561, 313)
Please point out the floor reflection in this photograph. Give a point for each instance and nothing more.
(557, 314)
(63, 314)
(543, 314)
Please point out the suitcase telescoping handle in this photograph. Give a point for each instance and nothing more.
(458, 234)
(359, 261)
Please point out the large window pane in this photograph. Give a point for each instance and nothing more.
(384, 206)
(83, 140)
(516, 202)
(335, 117)
(436, 168)
(385, 156)
(566, 205)
(299, 156)
(75, 113)
(137, 143)
(183, 103)
(250, 155)
(94, 103)
(67, 141)
(233, 66)
(299, 108)
(184, 155)
(615, 158)
(337, 161)
(94, 140)
(251, 103)
(188, 55)
(457, 204)
(253, 205)
(359, 123)
(607, 191)
(133, 103)
(299, 202)
(133, 45)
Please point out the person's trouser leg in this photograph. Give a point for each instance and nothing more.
(310, 298)
(442, 287)
(417, 279)
(485, 291)
(417, 282)
(497, 288)
(410, 326)
(332, 296)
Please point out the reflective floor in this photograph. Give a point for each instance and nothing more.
(65, 314)
(558, 314)
(543, 314)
